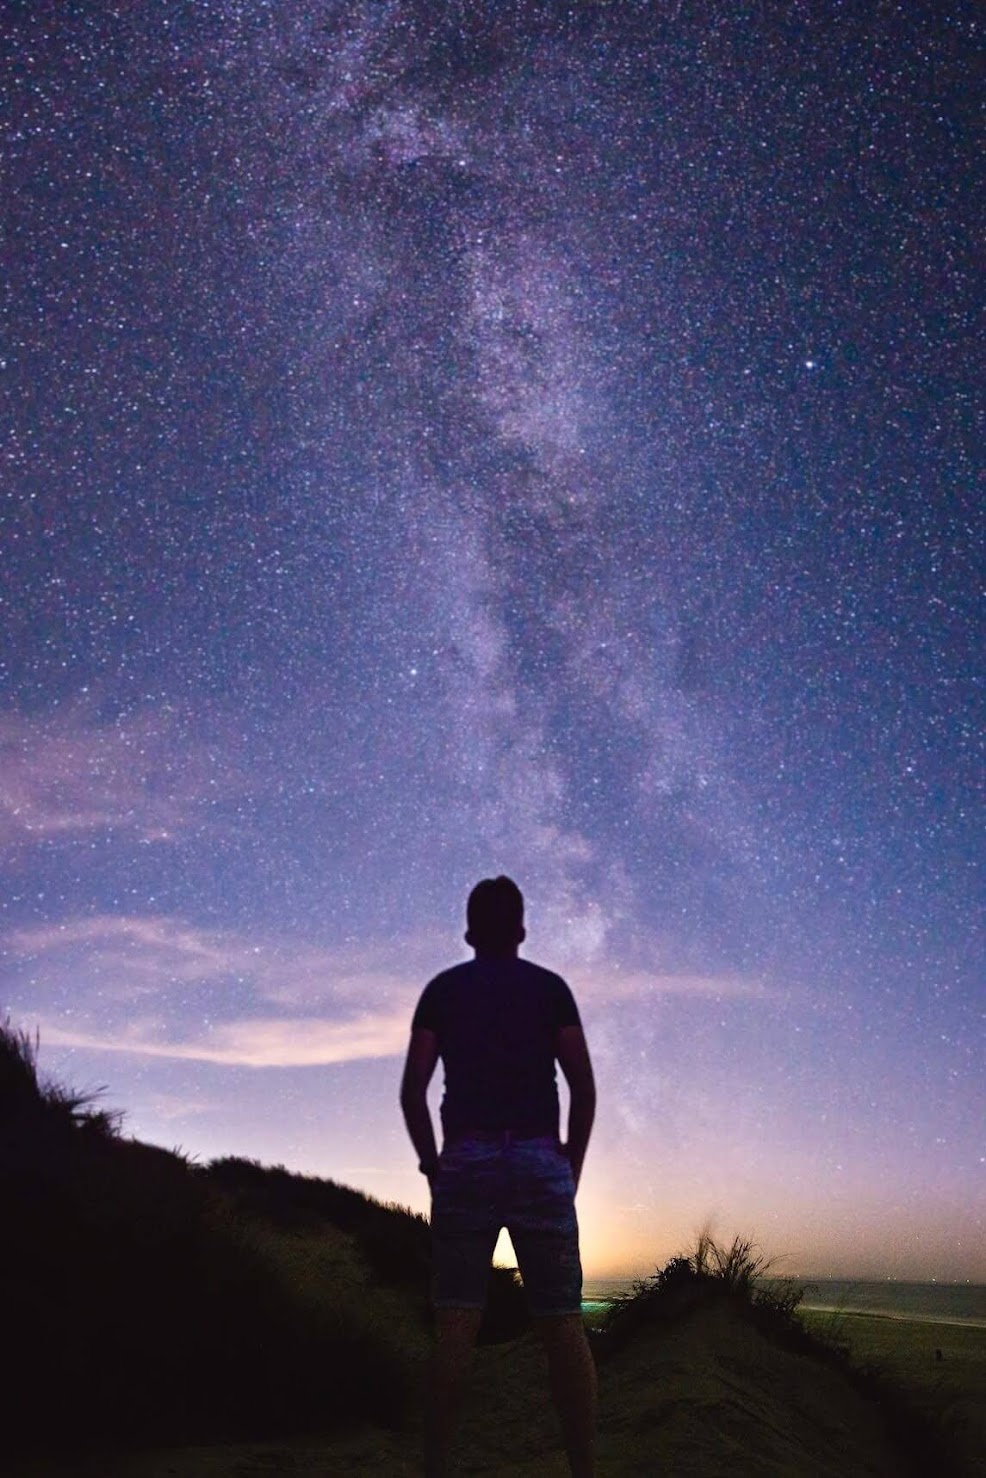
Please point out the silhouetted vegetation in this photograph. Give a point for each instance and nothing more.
(711, 1272)
(738, 1275)
(146, 1298)
(140, 1304)
(393, 1240)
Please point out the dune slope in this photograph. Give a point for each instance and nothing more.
(708, 1395)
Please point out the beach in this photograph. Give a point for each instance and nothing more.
(939, 1365)
(930, 1302)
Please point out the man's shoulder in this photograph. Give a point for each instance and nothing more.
(544, 976)
(452, 976)
(552, 991)
(433, 1003)
(521, 971)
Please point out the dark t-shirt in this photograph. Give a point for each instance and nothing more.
(497, 1023)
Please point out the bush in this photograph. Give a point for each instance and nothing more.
(394, 1242)
(138, 1302)
(710, 1272)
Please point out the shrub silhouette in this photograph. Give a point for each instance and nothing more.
(505, 1316)
(394, 1241)
(138, 1302)
(738, 1275)
(146, 1299)
(711, 1272)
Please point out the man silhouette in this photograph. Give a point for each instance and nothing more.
(499, 1023)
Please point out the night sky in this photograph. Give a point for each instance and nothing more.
(442, 439)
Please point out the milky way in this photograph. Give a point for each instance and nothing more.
(453, 439)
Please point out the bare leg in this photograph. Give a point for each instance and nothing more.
(572, 1372)
(455, 1338)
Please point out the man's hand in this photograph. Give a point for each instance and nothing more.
(575, 1164)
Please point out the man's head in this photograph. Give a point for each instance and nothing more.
(495, 917)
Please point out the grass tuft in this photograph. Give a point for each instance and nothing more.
(27, 1097)
(737, 1272)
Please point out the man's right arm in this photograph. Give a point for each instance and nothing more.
(573, 1055)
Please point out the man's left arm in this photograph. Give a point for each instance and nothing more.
(422, 1055)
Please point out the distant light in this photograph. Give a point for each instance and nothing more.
(811, 364)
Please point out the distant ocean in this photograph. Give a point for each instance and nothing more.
(959, 1303)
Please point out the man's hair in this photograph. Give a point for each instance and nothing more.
(495, 914)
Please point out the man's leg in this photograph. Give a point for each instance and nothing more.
(572, 1373)
(544, 1230)
(455, 1338)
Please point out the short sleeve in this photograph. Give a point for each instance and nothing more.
(427, 1011)
(566, 1011)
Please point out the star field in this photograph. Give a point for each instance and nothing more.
(450, 439)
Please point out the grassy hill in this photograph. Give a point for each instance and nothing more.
(702, 1393)
(175, 1321)
(147, 1299)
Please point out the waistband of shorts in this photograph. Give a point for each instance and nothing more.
(500, 1136)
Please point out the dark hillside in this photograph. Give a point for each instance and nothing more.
(733, 1369)
(706, 1390)
(393, 1241)
(142, 1301)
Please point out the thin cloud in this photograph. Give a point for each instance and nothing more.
(175, 1108)
(151, 947)
(259, 1043)
(296, 1005)
(347, 1004)
(66, 776)
(138, 955)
